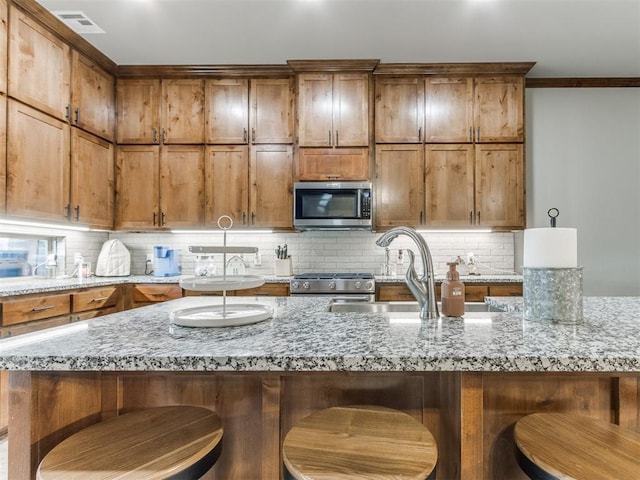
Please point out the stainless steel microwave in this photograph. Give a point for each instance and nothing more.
(332, 205)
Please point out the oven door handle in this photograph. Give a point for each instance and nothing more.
(353, 298)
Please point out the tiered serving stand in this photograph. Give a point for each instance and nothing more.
(225, 314)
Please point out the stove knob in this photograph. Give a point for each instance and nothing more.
(369, 285)
(358, 284)
(295, 286)
(305, 285)
(332, 285)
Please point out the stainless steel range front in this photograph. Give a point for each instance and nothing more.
(355, 286)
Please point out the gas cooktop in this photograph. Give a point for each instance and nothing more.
(333, 276)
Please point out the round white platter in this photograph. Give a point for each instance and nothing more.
(218, 283)
(230, 315)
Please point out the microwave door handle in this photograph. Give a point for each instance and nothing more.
(359, 212)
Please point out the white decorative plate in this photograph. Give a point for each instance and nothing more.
(230, 315)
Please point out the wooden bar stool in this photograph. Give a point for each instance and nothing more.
(359, 442)
(177, 443)
(564, 446)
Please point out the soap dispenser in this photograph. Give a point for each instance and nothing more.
(452, 293)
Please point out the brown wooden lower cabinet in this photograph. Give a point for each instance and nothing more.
(474, 292)
(471, 414)
(147, 294)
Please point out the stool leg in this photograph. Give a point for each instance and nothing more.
(198, 470)
(533, 471)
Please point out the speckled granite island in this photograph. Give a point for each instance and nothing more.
(468, 379)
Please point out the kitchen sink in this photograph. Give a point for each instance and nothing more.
(391, 307)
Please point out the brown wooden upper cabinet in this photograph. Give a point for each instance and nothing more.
(167, 111)
(449, 109)
(39, 66)
(333, 109)
(92, 97)
(240, 111)
(240, 183)
(159, 187)
(3, 152)
(4, 14)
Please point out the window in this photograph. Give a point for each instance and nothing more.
(26, 255)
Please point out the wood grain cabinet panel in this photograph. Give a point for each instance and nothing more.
(146, 294)
(39, 66)
(181, 186)
(271, 186)
(22, 310)
(37, 164)
(449, 110)
(227, 184)
(499, 109)
(333, 164)
(333, 110)
(4, 20)
(95, 298)
(138, 111)
(92, 97)
(92, 180)
(3, 153)
(137, 186)
(399, 110)
(399, 185)
(249, 111)
(182, 112)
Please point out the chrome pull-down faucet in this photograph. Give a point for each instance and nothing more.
(422, 288)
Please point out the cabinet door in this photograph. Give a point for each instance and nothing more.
(315, 110)
(4, 13)
(182, 111)
(448, 110)
(351, 110)
(181, 186)
(92, 97)
(227, 111)
(399, 186)
(3, 153)
(449, 185)
(399, 112)
(92, 180)
(271, 183)
(499, 109)
(499, 185)
(138, 110)
(37, 164)
(227, 184)
(318, 164)
(39, 66)
(271, 110)
(137, 186)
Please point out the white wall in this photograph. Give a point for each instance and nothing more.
(583, 157)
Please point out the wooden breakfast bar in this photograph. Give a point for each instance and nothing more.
(467, 379)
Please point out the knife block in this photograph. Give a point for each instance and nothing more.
(283, 267)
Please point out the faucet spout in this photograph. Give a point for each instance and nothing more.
(422, 288)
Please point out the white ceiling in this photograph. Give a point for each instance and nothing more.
(567, 38)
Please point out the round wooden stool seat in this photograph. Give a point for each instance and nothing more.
(178, 442)
(565, 446)
(359, 442)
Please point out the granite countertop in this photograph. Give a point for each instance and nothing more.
(303, 336)
(26, 285)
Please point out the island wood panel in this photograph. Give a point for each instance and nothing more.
(471, 414)
(627, 398)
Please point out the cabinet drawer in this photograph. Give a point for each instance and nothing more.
(35, 308)
(95, 298)
(21, 328)
(156, 293)
(514, 290)
(87, 315)
(475, 293)
(268, 289)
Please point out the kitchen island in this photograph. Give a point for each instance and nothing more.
(467, 379)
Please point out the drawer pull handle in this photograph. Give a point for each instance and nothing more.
(157, 294)
(100, 299)
(42, 309)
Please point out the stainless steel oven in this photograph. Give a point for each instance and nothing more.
(332, 205)
(348, 286)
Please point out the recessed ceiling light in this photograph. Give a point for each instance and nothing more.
(78, 22)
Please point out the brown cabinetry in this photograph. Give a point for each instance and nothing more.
(333, 164)
(37, 164)
(399, 111)
(160, 111)
(253, 185)
(147, 294)
(92, 180)
(29, 308)
(92, 97)
(333, 109)
(399, 186)
(96, 302)
(4, 14)
(3, 153)
(39, 66)
(158, 187)
(474, 292)
(242, 111)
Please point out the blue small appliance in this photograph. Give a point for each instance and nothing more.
(167, 263)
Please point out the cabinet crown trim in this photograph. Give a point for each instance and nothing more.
(185, 71)
(489, 68)
(367, 65)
